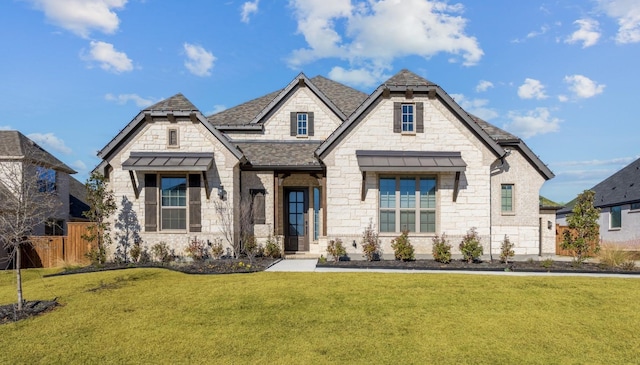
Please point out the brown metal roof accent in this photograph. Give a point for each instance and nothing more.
(168, 161)
(410, 161)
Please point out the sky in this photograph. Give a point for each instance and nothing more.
(559, 74)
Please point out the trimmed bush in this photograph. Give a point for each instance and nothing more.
(161, 252)
(370, 244)
(196, 250)
(441, 250)
(272, 249)
(216, 249)
(470, 246)
(506, 250)
(336, 249)
(402, 247)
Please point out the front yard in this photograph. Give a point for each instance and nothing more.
(161, 316)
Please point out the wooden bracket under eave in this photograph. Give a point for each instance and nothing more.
(408, 94)
(171, 117)
(206, 185)
(301, 82)
(456, 185)
(193, 117)
(136, 191)
(363, 192)
(432, 94)
(386, 93)
(148, 118)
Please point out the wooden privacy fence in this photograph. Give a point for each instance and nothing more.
(559, 237)
(52, 251)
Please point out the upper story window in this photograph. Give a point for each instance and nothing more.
(408, 118)
(615, 217)
(506, 198)
(46, 179)
(172, 137)
(302, 124)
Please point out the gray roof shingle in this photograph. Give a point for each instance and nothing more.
(174, 103)
(407, 78)
(266, 154)
(16, 144)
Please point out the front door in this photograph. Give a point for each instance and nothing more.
(296, 220)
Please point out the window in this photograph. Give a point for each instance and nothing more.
(173, 202)
(54, 227)
(46, 179)
(615, 217)
(407, 118)
(302, 124)
(172, 137)
(506, 196)
(316, 213)
(635, 206)
(407, 203)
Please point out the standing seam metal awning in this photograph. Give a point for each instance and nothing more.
(168, 161)
(410, 161)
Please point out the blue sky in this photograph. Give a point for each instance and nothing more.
(562, 75)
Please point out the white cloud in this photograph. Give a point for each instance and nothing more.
(199, 61)
(108, 57)
(583, 87)
(125, 98)
(82, 16)
(372, 34)
(360, 77)
(50, 142)
(533, 122)
(613, 161)
(477, 107)
(563, 98)
(531, 89)
(484, 85)
(216, 109)
(543, 30)
(79, 165)
(627, 13)
(248, 8)
(5, 128)
(588, 33)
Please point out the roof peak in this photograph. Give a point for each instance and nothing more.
(405, 77)
(175, 102)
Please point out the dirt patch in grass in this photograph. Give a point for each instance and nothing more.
(496, 265)
(9, 312)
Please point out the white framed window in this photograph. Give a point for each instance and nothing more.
(615, 217)
(506, 198)
(173, 202)
(303, 124)
(172, 137)
(408, 118)
(407, 203)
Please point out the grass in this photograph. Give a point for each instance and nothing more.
(161, 316)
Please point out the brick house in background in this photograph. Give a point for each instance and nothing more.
(318, 160)
(18, 151)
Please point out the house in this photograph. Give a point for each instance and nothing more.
(618, 198)
(318, 160)
(18, 156)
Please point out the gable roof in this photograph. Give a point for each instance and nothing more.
(177, 105)
(289, 155)
(342, 99)
(16, 145)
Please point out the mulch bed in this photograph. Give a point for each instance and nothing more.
(9, 312)
(496, 265)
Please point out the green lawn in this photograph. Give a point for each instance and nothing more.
(161, 316)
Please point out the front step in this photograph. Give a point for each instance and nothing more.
(300, 255)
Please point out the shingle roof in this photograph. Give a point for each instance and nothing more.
(264, 154)
(494, 132)
(243, 113)
(15, 144)
(407, 78)
(344, 97)
(174, 103)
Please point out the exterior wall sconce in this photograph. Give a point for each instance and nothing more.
(549, 225)
(221, 192)
(354, 244)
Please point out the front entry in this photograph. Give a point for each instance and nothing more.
(296, 220)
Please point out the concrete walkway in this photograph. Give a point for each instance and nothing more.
(309, 265)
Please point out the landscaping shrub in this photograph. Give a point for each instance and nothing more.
(402, 247)
(216, 249)
(470, 246)
(196, 250)
(162, 253)
(628, 265)
(547, 263)
(271, 248)
(250, 246)
(441, 250)
(336, 249)
(506, 250)
(370, 244)
(611, 255)
(136, 251)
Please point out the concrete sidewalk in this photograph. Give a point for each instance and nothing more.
(309, 265)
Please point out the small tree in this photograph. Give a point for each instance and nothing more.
(336, 249)
(441, 249)
(370, 243)
(402, 247)
(581, 239)
(102, 205)
(506, 250)
(28, 199)
(470, 246)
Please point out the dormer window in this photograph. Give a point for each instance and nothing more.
(172, 137)
(302, 124)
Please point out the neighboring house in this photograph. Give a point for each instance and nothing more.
(318, 160)
(618, 198)
(19, 154)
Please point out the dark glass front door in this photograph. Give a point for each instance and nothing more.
(296, 220)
